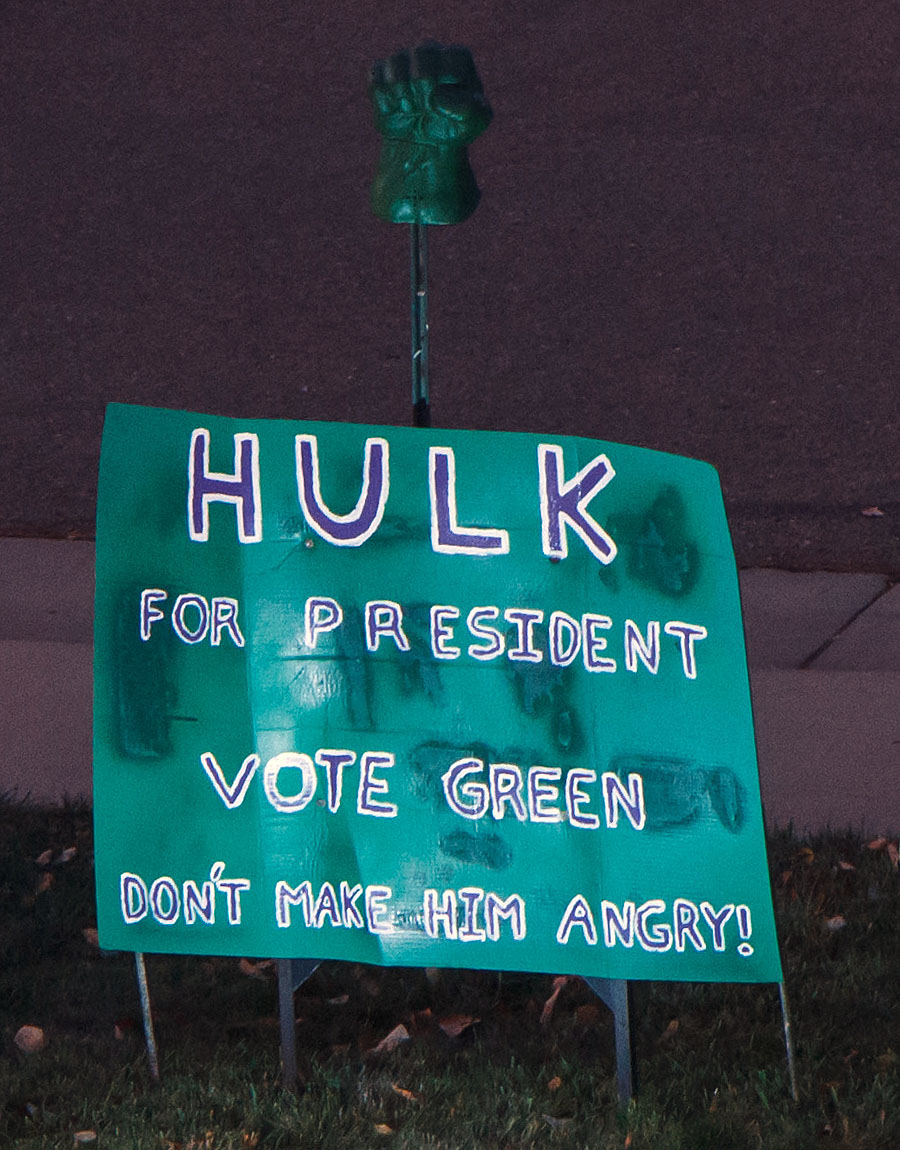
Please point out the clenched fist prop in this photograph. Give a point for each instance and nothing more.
(429, 106)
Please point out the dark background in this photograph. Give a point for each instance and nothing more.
(688, 240)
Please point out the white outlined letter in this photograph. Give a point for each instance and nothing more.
(575, 798)
(241, 488)
(440, 912)
(631, 800)
(657, 936)
(592, 643)
(524, 619)
(224, 618)
(541, 790)
(278, 763)
(495, 643)
(617, 927)
(334, 763)
(370, 785)
(384, 617)
(578, 913)
(149, 613)
(564, 504)
(441, 614)
(637, 647)
(353, 529)
(320, 615)
(564, 639)
(476, 793)
(512, 908)
(234, 795)
(446, 534)
(687, 634)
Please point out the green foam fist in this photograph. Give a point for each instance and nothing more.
(429, 106)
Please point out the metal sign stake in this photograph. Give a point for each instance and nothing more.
(616, 994)
(287, 1024)
(292, 973)
(147, 1015)
(789, 1042)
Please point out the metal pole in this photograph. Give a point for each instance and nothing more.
(144, 992)
(292, 973)
(616, 994)
(789, 1042)
(288, 1024)
(418, 269)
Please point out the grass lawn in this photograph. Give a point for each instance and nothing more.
(503, 1061)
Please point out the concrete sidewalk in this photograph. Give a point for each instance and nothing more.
(824, 654)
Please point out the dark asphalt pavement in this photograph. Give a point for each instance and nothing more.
(689, 239)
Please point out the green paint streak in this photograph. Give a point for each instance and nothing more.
(487, 850)
(678, 793)
(658, 547)
(145, 692)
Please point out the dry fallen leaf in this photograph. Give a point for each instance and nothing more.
(339, 1000)
(558, 984)
(454, 1025)
(383, 1128)
(249, 1138)
(407, 1094)
(391, 1041)
(44, 883)
(30, 1039)
(83, 1137)
(846, 865)
(554, 1083)
(877, 844)
(256, 969)
(893, 854)
(90, 936)
(670, 1031)
(873, 512)
(44, 858)
(67, 855)
(835, 923)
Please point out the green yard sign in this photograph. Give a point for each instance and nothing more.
(443, 698)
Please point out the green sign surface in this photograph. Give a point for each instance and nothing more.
(440, 698)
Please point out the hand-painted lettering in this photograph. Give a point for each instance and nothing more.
(564, 504)
(240, 488)
(447, 536)
(354, 528)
